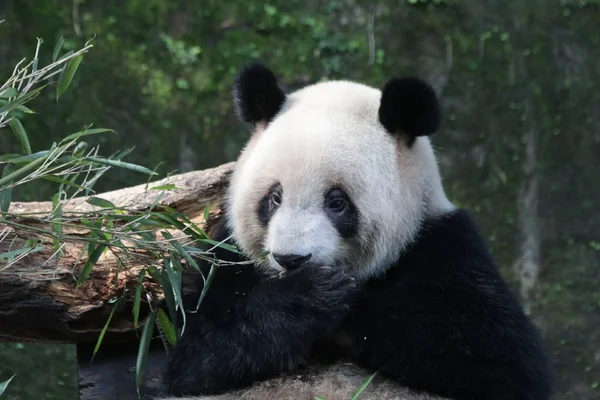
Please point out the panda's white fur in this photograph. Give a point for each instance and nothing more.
(342, 117)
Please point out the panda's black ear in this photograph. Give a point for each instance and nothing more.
(256, 94)
(409, 106)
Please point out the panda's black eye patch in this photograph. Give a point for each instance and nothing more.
(341, 211)
(269, 203)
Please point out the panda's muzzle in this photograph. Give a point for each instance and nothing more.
(292, 261)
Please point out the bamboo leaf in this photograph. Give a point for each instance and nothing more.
(181, 250)
(4, 385)
(25, 110)
(67, 54)
(57, 48)
(207, 283)
(85, 132)
(6, 194)
(206, 212)
(104, 329)
(167, 327)
(137, 300)
(174, 278)
(169, 296)
(20, 159)
(67, 74)
(9, 92)
(56, 223)
(165, 187)
(19, 131)
(8, 157)
(93, 258)
(63, 181)
(98, 202)
(363, 386)
(121, 164)
(225, 246)
(21, 100)
(10, 255)
(140, 365)
(22, 171)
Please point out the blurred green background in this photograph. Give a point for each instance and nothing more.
(520, 144)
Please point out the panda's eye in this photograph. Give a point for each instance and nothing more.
(337, 204)
(275, 198)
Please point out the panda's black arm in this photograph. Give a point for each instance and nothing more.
(249, 328)
(443, 320)
(449, 348)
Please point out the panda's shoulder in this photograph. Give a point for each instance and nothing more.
(452, 239)
(449, 255)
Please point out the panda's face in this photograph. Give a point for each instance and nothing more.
(325, 184)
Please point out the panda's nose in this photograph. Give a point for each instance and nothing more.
(291, 261)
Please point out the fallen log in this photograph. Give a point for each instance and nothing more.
(39, 300)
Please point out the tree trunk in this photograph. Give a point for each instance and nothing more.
(528, 265)
(39, 300)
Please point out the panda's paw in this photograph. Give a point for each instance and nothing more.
(328, 284)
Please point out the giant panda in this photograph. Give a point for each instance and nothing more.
(359, 262)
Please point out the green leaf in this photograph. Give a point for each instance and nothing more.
(165, 187)
(98, 202)
(167, 327)
(146, 338)
(174, 278)
(6, 194)
(22, 171)
(25, 110)
(196, 233)
(85, 132)
(10, 255)
(225, 246)
(21, 100)
(63, 181)
(363, 386)
(57, 48)
(19, 131)
(9, 157)
(123, 153)
(93, 257)
(207, 283)
(121, 164)
(9, 92)
(104, 329)
(181, 250)
(169, 296)
(137, 300)
(56, 219)
(67, 54)
(19, 159)
(4, 385)
(206, 212)
(66, 76)
(79, 149)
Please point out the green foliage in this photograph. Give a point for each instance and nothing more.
(64, 163)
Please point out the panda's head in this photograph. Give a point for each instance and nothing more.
(335, 174)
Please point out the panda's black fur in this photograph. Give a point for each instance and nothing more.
(440, 320)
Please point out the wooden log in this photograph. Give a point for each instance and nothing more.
(39, 300)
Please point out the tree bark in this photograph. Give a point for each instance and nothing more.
(528, 265)
(39, 300)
